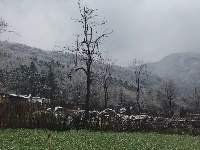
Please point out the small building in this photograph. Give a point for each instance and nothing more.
(13, 98)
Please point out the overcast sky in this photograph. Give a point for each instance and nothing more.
(143, 29)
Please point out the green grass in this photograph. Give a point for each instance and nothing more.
(24, 139)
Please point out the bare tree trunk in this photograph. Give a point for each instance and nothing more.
(170, 107)
(87, 105)
(138, 96)
(107, 99)
(106, 96)
(138, 103)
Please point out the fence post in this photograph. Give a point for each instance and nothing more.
(49, 141)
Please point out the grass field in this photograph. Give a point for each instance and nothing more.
(23, 139)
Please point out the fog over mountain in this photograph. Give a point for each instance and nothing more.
(183, 68)
(143, 29)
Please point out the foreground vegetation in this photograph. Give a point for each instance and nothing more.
(25, 139)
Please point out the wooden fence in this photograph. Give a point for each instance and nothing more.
(29, 115)
(35, 115)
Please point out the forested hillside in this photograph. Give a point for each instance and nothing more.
(26, 70)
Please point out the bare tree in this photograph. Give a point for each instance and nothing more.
(196, 103)
(86, 50)
(96, 93)
(4, 26)
(141, 74)
(170, 90)
(106, 78)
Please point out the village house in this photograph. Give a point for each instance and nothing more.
(13, 98)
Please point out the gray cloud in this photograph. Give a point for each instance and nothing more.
(143, 29)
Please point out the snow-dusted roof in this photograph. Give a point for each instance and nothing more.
(22, 96)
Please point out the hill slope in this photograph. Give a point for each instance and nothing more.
(184, 68)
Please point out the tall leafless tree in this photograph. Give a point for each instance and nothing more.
(86, 49)
(171, 91)
(197, 98)
(106, 78)
(141, 73)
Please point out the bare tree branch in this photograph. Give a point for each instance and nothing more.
(82, 68)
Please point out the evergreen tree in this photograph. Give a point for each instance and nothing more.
(33, 79)
(52, 86)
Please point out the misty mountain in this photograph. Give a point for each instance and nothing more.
(15, 54)
(183, 68)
